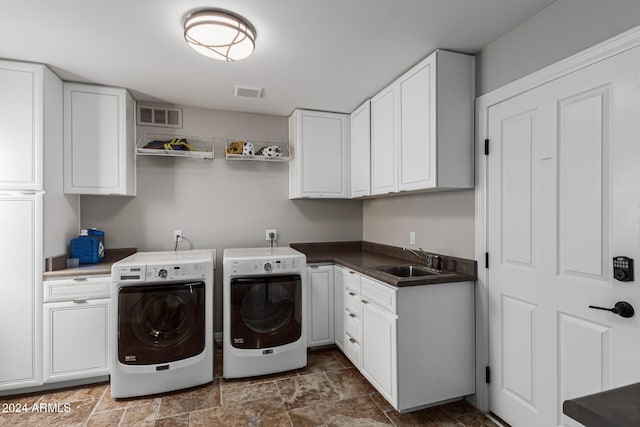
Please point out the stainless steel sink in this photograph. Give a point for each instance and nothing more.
(407, 270)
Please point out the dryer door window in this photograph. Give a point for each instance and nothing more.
(266, 311)
(160, 324)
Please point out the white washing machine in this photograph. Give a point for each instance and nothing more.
(162, 322)
(264, 294)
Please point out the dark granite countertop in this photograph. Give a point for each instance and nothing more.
(618, 407)
(363, 257)
(56, 266)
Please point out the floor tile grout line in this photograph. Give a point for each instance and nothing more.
(93, 411)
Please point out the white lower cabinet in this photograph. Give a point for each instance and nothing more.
(76, 328)
(340, 276)
(379, 349)
(414, 344)
(320, 306)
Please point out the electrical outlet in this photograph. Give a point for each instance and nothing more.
(269, 232)
(412, 237)
(177, 235)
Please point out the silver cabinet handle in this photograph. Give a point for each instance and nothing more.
(364, 301)
(352, 272)
(352, 341)
(352, 294)
(80, 279)
(352, 315)
(79, 301)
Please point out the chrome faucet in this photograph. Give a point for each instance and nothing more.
(427, 258)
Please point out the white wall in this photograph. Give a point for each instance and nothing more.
(443, 222)
(218, 203)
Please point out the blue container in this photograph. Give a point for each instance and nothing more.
(88, 247)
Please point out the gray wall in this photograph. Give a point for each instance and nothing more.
(564, 28)
(218, 203)
(443, 222)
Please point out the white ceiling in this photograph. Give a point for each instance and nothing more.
(319, 54)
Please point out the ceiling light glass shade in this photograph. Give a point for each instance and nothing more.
(220, 35)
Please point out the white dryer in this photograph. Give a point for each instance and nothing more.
(162, 317)
(264, 297)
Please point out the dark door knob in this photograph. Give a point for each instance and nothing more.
(621, 308)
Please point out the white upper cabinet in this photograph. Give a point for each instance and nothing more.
(21, 125)
(422, 127)
(319, 144)
(361, 151)
(417, 127)
(385, 115)
(99, 140)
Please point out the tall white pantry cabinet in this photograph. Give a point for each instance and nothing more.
(36, 218)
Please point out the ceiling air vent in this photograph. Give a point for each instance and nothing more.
(248, 91)
(156, 115)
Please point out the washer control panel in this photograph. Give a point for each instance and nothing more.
(158, 273)
(175, 272)
(266, 266)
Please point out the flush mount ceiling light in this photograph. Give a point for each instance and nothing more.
(219, 34)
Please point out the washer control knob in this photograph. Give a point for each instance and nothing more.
(267, 266)
(162, 273)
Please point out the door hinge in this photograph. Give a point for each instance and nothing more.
(486, 147)
(486, 260)
(487, 374)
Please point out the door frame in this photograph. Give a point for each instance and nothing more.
(611, 47)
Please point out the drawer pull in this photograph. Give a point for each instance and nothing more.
(352, 315)
(364, 301)
(352, 341)
(80, 279)
(79, 301)
(352, 294)
(352, 272)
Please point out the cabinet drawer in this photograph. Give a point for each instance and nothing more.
(77, 288)
(352, 325)
(351, 301)
(352, 281)
(352, 350)
(379, 294)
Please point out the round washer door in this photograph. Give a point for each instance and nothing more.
(265, 311)
(160, 323)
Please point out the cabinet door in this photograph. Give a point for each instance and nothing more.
(76, 339)
(418, 127)
(98, 134)
(21, 126)
(321, 299)
(20, 291)
(361, 151)
(321, 155)
(384, 120)
(340, 277)
(379, 350)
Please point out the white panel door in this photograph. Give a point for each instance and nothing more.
(563, 185)
(99, 146)
(361, 151)
(20, 290)
(379, 350)
(21, 109)
(384, 142)
(418, 128)
(76, 339)
(324, 154)
(320, 307)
